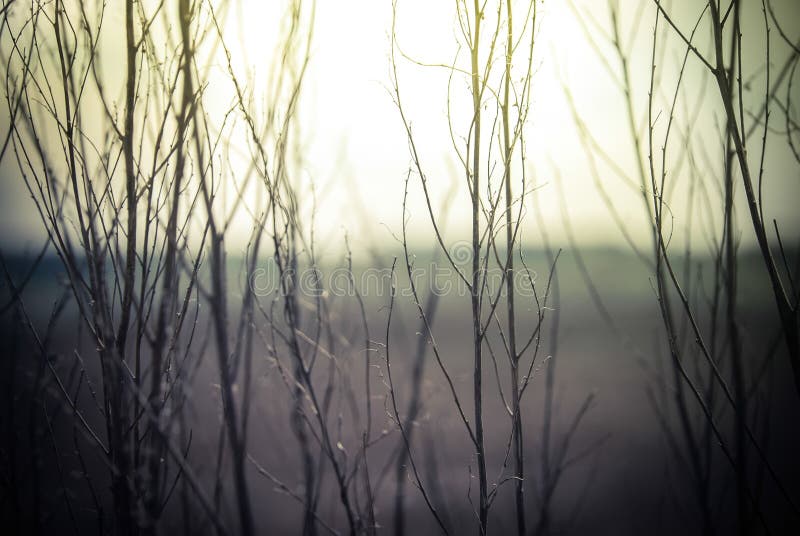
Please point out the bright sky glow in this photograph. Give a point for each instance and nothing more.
(356, 152)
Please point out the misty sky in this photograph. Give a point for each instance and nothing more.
(356, 152)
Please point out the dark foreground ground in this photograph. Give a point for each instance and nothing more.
(622, 471)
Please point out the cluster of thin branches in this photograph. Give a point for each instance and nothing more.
(498, 68)
(140, 177)
(130, 181)
(712, 402)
